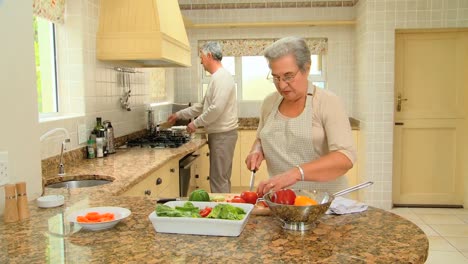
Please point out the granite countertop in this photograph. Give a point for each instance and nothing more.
(125, 168)
(373, 236)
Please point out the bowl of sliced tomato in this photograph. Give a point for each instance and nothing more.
(98, 218)
(298, 209)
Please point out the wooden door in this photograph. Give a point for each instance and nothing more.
(430, 87)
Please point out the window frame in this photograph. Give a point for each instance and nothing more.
(206, 79)
(54, 71)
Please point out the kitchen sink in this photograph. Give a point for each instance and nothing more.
(77, 183)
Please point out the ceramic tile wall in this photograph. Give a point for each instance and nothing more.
(91, 88)
(340, 56)
(375, 42)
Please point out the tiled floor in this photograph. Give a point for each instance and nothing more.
(446, 229)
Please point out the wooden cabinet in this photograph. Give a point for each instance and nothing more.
(240, 178)
(163, 183)
(201, 171)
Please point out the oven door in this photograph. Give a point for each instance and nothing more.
(186, 172)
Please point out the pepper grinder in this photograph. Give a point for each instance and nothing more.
(22, 200)
(11, 208)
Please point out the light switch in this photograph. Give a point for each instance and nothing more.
(82, 137)
(4, 176)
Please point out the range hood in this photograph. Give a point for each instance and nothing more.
(142, 33)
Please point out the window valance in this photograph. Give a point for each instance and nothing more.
(52, 10)
(255, 47)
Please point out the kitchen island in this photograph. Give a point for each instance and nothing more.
(373, 236)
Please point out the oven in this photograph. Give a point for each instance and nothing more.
(186, 172)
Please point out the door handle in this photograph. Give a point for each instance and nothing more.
(399, 100)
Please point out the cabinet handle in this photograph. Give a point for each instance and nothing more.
(197, 176)
(208, 178)
(158, 181)
(172, 170)
(147, 192)
(207, 154)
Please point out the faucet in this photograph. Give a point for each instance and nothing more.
(61, 167)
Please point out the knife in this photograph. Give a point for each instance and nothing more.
(252, 179)
(165, 200)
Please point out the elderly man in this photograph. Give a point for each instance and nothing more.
(218, 114)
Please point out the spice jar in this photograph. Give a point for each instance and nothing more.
(11, 208)
(22, 200)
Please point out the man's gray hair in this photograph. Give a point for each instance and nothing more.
(214, 48)
(289, 45)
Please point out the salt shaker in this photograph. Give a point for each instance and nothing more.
(22, 200)
(11, 209)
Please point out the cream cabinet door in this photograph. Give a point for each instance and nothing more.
(247, 137)
(431, 83)
(202, 170)
(163, 183)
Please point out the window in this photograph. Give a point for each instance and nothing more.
(250, 74)
(46, 71)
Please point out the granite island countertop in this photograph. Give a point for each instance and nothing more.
(373, 236)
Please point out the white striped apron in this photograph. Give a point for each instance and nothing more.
(287, 142)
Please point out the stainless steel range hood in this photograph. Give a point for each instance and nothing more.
(142, 33)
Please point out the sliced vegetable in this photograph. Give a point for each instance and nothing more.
(205, 212)
(249, 197)
(227, 211)
(237, 199)
(95, 217)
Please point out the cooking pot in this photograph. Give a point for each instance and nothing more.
(301, 218)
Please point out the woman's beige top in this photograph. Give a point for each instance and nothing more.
(322, 127)
(218, 110)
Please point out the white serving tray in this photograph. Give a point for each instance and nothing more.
(200, 226)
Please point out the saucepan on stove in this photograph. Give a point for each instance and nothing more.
(294, 217)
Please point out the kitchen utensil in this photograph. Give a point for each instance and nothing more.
(200, 226)
(165, 200)
(252, 179)
(119, 213)
(303, 217)
(50, 201)
(165, 125)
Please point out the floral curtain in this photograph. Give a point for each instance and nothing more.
(255, 47)
(52, 10)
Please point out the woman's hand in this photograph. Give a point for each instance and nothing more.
(254, 160)
(279, 181)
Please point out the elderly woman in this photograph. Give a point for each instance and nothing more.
(304, 132)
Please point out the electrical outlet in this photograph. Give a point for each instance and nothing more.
(82, 137)
(4, 176)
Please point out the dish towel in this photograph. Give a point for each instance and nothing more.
(345, 206)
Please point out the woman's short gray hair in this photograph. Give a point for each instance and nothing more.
(289, 45)
(214, 48)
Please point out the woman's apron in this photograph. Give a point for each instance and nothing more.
(287, 142)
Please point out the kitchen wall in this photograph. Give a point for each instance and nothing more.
(88, 89)
(18, 107)
(360, 64)
(91, 88)
(374, 104)
(340, 56)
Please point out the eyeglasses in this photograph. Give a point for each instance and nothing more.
(287, 78)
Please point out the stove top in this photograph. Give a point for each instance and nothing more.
(161, 139)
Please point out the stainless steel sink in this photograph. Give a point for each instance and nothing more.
(78, 184)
